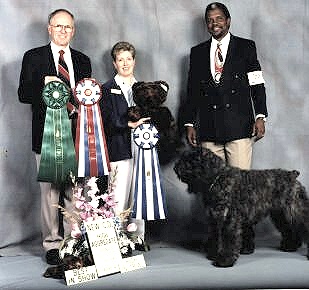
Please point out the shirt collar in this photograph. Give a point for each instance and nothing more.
(55, 49)
(120, 82)
(224, 41)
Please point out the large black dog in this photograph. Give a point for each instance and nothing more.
(237, 199)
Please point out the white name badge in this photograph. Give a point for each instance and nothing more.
(116, 91)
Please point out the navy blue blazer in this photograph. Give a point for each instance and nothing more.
(38, 63)
(114, 108)
(226, 111)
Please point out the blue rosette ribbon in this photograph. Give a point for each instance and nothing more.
(149, 197)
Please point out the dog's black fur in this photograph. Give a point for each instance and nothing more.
(237, 199)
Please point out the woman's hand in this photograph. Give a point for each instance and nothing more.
(141, 121)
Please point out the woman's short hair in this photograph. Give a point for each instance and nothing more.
(122, 46)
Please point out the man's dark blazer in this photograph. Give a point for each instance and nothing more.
(38, 63)
(114, 108)
(226, 111)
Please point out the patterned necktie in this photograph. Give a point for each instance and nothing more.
(218, 63)
(63, 72)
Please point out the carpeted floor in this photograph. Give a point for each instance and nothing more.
(169, 267)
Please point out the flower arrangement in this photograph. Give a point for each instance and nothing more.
(90, 204)
(93, 203)
(93, 199)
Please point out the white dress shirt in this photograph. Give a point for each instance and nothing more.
(67, 58)
(125, 88)
(224, 47)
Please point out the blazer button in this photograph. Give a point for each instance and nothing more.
(227, 106)
(214, 107)
(233, 91)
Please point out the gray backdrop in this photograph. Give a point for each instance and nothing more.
(163, 32)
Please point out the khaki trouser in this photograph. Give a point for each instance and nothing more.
(236, 153)
(50, 226)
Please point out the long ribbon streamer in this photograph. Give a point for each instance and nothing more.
(149, 196)
(58, 158)
(90, 144)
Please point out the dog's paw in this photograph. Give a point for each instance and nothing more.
(224, 261)
(289, 245)
(247, 249)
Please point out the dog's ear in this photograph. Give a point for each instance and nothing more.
(294, 174)
(208, 154)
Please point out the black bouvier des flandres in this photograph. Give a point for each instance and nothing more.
(237, 199)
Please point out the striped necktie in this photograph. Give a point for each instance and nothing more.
(218, 63)
(63, 72)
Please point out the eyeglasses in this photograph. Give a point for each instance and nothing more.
(59, 27)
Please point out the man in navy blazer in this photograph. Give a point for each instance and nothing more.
(226, 109)
(40, 66)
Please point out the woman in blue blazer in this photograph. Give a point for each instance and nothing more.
(116, 99)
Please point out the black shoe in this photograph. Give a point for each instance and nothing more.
(52, 257)
(142, 247)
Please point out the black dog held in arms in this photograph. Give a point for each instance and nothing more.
(237, 199)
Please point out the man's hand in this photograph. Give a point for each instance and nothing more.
(191, 136)
(258, 129)
(49, 79)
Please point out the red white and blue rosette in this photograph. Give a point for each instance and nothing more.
(90, 143)
(149, 196)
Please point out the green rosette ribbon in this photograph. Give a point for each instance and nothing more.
(58, 158)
